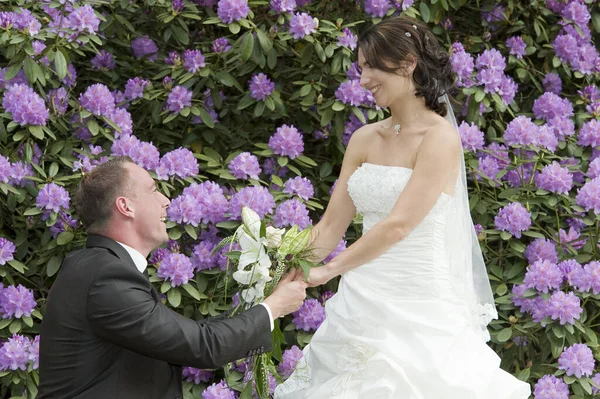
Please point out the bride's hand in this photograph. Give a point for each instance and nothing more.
(319, 276)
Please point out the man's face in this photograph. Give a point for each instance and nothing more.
(149, 207)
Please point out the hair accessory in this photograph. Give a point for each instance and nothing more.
(408, 34)
(415, 26)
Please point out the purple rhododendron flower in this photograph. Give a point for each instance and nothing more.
(300, 186)
(232, 10)
(219, 391)
(261, 86)
(98, 100)
(25, 105)
(7, 250)
(377, 8)
(144, 46)
(287, 141)
(289, 360)
(179, 98)
(177, 268)
(310, 315)
(513, 218)
(302, 24)
(16, 302)
(256, 198)
(53, 197)
(292, 212)
(577, 360)
(550, 387)
(245, 166)
(543, 275)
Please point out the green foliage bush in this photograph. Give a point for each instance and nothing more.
(306, 73)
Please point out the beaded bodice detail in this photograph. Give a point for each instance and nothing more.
(374, 189)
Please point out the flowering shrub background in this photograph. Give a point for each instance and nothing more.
(233, 103)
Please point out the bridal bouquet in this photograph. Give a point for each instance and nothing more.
(265, 254)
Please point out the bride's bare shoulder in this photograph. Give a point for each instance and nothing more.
(368, 132)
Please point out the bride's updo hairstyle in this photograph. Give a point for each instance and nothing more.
(393, 42)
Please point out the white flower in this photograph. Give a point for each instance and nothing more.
(253, 251)
(252, 221)
(255, 275)
(274, 236)
(255, 292)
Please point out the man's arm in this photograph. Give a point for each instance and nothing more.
(120, 309)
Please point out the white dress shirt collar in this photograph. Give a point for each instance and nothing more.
(136, 256)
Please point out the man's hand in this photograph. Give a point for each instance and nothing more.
(288, 296)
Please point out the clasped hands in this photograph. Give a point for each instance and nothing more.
(290, 293)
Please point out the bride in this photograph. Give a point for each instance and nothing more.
(409, 319)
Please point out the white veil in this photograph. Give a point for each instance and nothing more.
(467, 267)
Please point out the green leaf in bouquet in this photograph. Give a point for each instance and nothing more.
(247, 392)
(305, 266)
(174, 297)
(278, 342)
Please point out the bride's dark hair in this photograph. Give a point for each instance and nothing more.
(388, 45)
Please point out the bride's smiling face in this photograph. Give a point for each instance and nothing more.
(387, 87)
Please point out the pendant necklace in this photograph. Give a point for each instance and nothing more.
(398, 126)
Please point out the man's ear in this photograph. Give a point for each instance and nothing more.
(124, 206)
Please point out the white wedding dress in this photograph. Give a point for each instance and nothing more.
(396, 329)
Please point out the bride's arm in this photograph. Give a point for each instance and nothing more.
(340, 211)
(436, 163)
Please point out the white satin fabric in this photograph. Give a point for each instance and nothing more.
(396, 329)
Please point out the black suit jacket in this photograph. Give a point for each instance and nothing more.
(106, 334)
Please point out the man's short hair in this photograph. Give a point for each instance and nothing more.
(98, 190)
